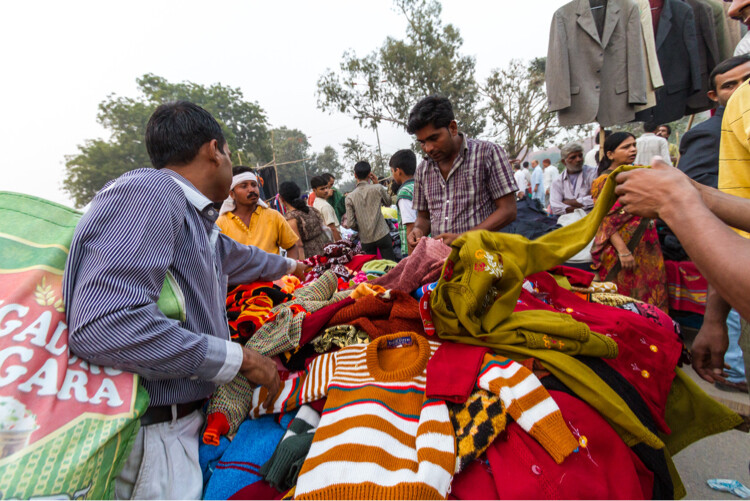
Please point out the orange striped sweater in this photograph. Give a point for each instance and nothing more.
(379, 437)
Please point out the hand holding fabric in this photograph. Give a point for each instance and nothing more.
(447, 238)
(414, 237)
(260, 370)
(649, 192)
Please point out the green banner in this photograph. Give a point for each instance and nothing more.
(66, 426)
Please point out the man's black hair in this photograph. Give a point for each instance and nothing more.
(318, 181)
(526, 165)
(724, 66)
(432, 110)
(362, 170)
(241, 169)
(176, 131)
(650, 126)
(328, 176)
(669, 129)
(405, 160)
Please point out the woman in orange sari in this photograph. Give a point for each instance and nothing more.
(626, 248)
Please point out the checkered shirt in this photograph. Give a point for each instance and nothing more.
(481, 174)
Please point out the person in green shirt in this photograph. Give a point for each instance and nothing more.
(403, 164)
(337, 198)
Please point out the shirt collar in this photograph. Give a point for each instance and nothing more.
(197, 199)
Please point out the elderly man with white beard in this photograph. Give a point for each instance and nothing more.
(572, 190)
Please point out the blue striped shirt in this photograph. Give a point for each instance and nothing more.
(146, 223)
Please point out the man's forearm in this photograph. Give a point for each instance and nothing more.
(720, 254)
(504, 214)
(733, 210)
(423, 225)
(717, 308)
(293, 252)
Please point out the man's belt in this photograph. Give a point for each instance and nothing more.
(163, 413)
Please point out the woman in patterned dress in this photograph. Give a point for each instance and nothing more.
(626, 248)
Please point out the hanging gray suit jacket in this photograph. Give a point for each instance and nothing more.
(591, 79)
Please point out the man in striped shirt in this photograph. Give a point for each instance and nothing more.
(147, 226)
(462, 184)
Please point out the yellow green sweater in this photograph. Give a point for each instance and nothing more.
(476, 295)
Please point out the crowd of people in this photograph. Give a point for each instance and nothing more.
(462, 184)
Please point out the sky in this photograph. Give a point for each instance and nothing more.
(61, 59)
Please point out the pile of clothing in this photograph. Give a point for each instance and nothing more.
(480, 370)
(345, 259)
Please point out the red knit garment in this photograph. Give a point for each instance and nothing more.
(648, 352)
(258, 490)
(474, 482)
(603, 468)
(359, 260)
(378, 316)
(314, 323)
(452, 371)
(576, 277)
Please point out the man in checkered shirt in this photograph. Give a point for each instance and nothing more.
(462, 184)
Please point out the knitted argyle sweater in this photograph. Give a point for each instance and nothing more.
(379, 437)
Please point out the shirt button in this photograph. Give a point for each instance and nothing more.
(211, 213)
(536, 470)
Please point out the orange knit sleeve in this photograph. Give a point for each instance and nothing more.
(529, 403)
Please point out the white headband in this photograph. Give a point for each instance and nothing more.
(229, 204)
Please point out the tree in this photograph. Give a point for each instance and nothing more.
(384, 85)
(292, 149)
(244, 125)
(327, 162)
(517, 108)
(356, 150)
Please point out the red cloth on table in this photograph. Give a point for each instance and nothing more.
(648, 351)
(474, 482)
(359, 260)
(452, 371)
(258, 490)
(576, 277)
(604, 469)
(314, 323)
(423, 266)
(379, 316)
(686, 287)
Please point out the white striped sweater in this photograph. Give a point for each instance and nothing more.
(379, 437)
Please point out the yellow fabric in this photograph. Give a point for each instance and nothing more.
(268, 230)
(365, 289)
(389, 212)
(734, 152)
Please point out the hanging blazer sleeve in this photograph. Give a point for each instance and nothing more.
(557, 73)
(636, 61)
(691, 42)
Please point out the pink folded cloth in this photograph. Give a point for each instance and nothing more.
(423, 266)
